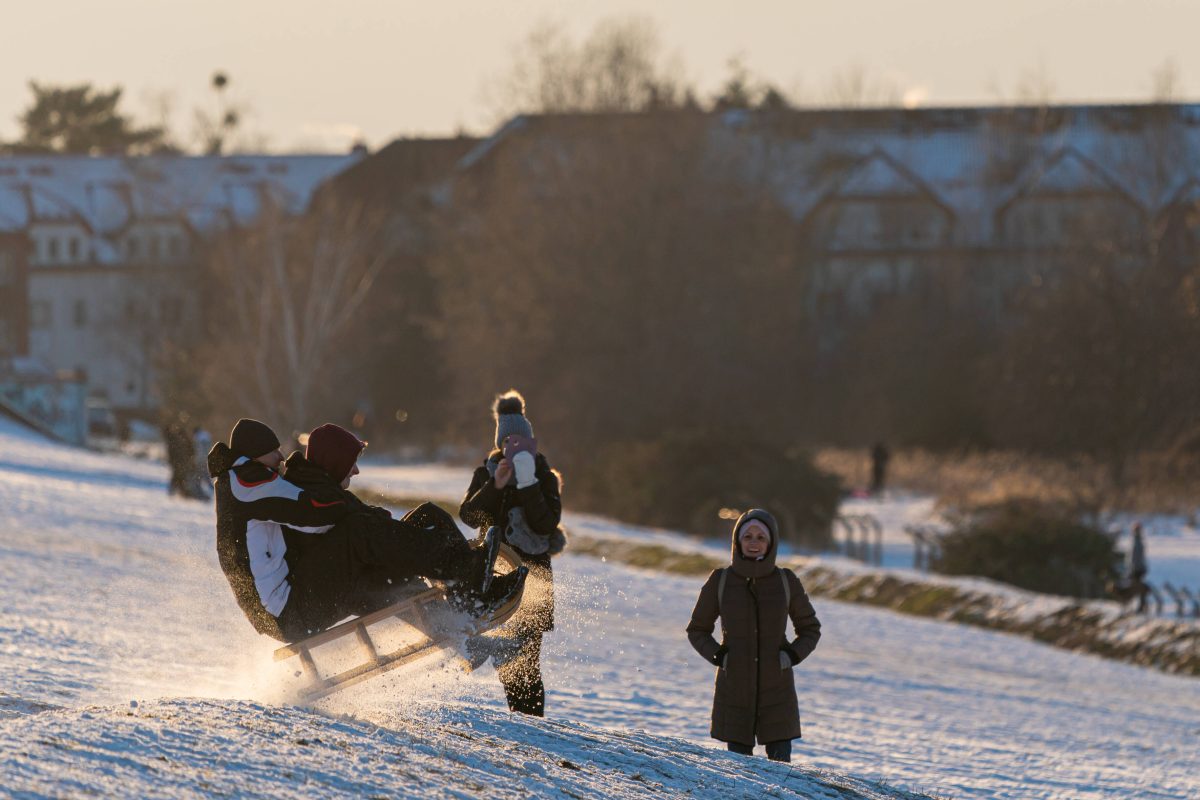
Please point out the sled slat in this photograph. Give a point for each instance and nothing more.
(364, 639)
(414, 611)
(363, 672)
(310, 668)
(346, 628)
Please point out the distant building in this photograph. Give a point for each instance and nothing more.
(971, 203)
(98, 254)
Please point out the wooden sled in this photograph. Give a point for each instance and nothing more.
(426, 611)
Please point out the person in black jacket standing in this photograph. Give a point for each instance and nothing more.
(519, 497)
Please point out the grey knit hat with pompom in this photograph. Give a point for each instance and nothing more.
(509, 411)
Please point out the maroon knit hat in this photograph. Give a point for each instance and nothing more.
(333, 449)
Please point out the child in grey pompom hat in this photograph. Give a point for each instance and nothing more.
(509, 411)
(518, 502)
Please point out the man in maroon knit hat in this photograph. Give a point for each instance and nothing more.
(335, 450)
(358, 566)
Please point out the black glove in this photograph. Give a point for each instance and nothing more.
(718, 658)
(791, 654)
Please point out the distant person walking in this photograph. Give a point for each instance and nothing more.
(879, 462)
(1138, 568)
(181, 458)
(755, 695)
(201, 443)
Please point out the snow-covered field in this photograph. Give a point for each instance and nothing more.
(1172, 542)
(128, 670)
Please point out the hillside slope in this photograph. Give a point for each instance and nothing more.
(110, 594)
(186, 748)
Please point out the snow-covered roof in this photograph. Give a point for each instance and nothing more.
(974, 162)
(106, 195)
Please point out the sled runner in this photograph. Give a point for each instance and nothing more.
(416, 626)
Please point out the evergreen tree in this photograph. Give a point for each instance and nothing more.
(81, 119)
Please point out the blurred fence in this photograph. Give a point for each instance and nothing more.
(925, 545)
(859, 536)
(1148, 597)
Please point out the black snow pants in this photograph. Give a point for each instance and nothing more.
(364, 562)
(519, 665)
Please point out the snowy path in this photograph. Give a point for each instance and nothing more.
(110, 592)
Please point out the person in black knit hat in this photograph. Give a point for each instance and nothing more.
(302, 553)
(518, 497)
(254, 504)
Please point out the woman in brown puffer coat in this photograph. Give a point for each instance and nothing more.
(755, 697)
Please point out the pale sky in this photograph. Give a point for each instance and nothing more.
(318, 73)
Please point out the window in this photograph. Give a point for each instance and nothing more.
(52, 250)
(8, 272)
(73, 248)
(133, 247)
(81, 315)
(39, 314)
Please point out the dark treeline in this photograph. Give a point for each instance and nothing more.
(639, 287)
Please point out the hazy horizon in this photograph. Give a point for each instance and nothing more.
(316, 77)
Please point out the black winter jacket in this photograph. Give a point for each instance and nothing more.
(253, 504)
(485, 505)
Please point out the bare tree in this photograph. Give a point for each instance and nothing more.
(1166, 82)
(742, 89)
(1094, 367)
(214, 129)
(619, 67)
(632, 263)
(291, 290)
(855, 87)
(1035, 86)
(156, 316)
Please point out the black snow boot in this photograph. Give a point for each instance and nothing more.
(474, 576)
(490, 550)
(484, 604)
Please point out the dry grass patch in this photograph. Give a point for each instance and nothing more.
(1154, 483)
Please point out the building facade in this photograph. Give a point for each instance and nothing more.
(98, 256)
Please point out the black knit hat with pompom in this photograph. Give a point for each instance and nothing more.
(509, 411)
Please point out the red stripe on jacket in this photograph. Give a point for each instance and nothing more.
(274, 475)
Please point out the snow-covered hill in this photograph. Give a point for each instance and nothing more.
(110, 595)
(191, 748)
